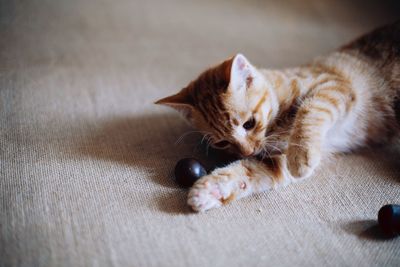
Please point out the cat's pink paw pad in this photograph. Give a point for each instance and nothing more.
(202, 198)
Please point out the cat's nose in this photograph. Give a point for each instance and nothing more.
(247, 152)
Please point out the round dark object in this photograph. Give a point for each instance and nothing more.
(188, 171)
(389, 219)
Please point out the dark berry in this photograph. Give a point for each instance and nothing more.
(188, 171)
(389, 219)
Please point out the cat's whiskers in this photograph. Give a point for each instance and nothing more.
(205, 137)
(201, 142)
(298, 145)
(208, 144)
(184, 135)
(269, 155)
(274, 147)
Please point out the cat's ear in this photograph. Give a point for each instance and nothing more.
(242, 73)
(180, 102)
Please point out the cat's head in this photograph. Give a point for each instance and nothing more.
(232, 103)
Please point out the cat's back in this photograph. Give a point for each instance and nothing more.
(380, 49)
(371, 66)
(381, 45)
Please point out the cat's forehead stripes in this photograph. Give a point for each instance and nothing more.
(269, 115)
(206, 91)
(212, 108)
(261, 102)
(259, 127)
(212, 119)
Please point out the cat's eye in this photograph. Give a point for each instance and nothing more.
(248, 125)
(222, 144)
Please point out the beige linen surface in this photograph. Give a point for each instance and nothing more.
(86, 158)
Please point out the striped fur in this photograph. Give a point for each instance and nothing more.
(284, 122)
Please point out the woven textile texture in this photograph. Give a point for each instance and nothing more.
(86, 157)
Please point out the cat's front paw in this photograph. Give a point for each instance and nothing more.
(205, 194)
(302, 161)
(209, 192)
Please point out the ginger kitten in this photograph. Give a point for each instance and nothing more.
(284, 122)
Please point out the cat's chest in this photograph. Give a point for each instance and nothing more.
(278, 131)
(283, 122)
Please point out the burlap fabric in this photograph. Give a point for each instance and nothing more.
(86, 158)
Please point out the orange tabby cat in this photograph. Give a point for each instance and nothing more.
(283, 122)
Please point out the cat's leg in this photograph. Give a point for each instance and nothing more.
(315, 117)
(237, 180)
